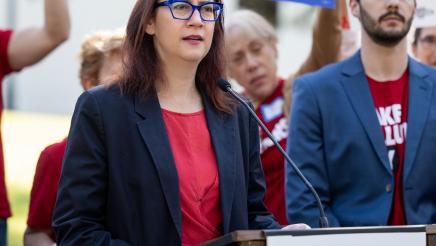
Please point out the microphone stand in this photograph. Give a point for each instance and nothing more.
(225, 86)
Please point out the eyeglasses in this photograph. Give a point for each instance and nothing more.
(404, 1)
(428, 42)
(182, 10)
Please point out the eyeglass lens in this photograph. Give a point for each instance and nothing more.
(184, 10)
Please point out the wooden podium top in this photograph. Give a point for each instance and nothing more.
(431, 229)
(258, 237)
(238, 237)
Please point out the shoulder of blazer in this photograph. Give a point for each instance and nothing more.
(422, 70)
(333, 73)
(103, 91)
(110, 96)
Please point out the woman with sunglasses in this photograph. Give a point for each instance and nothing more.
(164, 157)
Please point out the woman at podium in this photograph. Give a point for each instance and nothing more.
(163, 156)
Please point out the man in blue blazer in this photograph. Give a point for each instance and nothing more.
(363, 131)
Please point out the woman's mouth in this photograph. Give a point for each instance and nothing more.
(193, 39)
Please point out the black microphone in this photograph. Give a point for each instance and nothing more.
(225, 86)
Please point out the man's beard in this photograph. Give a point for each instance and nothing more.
(380, 36)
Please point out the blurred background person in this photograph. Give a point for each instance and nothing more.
(100, 61)
(23, 48)
(251, 51)
(424, 45)
(424, 37)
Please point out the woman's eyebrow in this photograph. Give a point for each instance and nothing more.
(207, 1)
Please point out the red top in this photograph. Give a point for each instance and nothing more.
(270, 112)
(198, 176)
(45, 186)
(391, 103)
(5, 68)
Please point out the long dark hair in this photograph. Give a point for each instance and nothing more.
(142, 68)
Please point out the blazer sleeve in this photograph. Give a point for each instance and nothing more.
(259, 216)
(305, 146)
(80, 207)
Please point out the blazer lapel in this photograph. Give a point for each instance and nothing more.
(420, 91)
(356, 86)
(153, 132)
(222, 132)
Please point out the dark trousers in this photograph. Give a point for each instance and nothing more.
(3, 232)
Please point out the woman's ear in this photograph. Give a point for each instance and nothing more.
(150, 28)
(273, 43)
(276, 51)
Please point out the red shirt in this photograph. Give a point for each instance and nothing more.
(5, 69)
(270, 111)
(45, 186)
(391, 102)
(198, 176)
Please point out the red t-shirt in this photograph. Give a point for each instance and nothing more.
(391, 103)
(198, 176)
(270, 111)
(45, 186)
(5, 69)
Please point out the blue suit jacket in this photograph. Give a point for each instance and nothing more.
(119, 183)
(337, 141)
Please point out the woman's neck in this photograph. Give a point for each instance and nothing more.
(176, 90)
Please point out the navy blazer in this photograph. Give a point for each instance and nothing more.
(337, 141)
(119, 183)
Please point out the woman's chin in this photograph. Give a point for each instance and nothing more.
(193, 57)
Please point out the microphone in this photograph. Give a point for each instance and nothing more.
(225, 86)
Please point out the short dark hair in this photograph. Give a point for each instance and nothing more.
(417, 36)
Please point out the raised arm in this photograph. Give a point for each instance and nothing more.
(30, 45)
(326, 44)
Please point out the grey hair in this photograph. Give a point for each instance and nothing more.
(250, 21)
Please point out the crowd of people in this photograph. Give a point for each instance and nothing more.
(158, 154)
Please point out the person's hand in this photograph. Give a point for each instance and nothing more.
(299, 226)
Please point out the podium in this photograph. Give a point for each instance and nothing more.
(372, 236)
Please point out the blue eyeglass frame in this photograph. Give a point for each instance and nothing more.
(194, 7)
